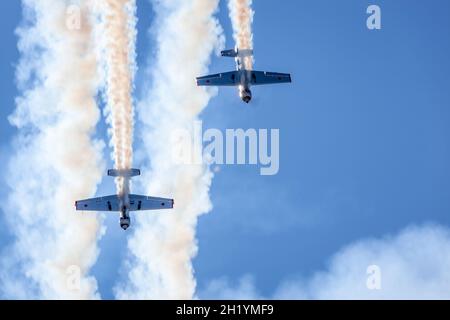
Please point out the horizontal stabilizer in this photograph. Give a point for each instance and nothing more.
(233, 53)
(126, 173)
(229, 53)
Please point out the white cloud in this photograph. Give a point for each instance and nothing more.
(414, 264)
(221, 289)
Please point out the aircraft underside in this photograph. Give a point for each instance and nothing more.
(124, 203)
(242, 77)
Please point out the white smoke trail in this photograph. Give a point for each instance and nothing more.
(241, 15)
(119, 36)
(163, 242)
(55, 161)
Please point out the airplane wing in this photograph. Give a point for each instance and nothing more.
(262, 77)
(111, 203)
(138, 203)
(108, 203)
(220, 79)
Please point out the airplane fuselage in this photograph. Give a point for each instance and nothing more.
(244, 87)
(125, 218)
(124, 211)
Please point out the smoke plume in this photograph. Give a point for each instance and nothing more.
(163, 243)
(118, 34)
(241, 15)
(55, 160)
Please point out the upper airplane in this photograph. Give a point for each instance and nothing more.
(124, 203)
(242, 77)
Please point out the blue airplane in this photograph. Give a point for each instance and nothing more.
(124, 203)
(242, 77)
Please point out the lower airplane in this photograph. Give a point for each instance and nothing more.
(124, 203)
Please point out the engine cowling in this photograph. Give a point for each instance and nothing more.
(245, 94)
(124, 223)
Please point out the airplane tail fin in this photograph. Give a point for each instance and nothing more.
(126, 173)
(233, 53)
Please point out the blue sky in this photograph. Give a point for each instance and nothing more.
(364, 148)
